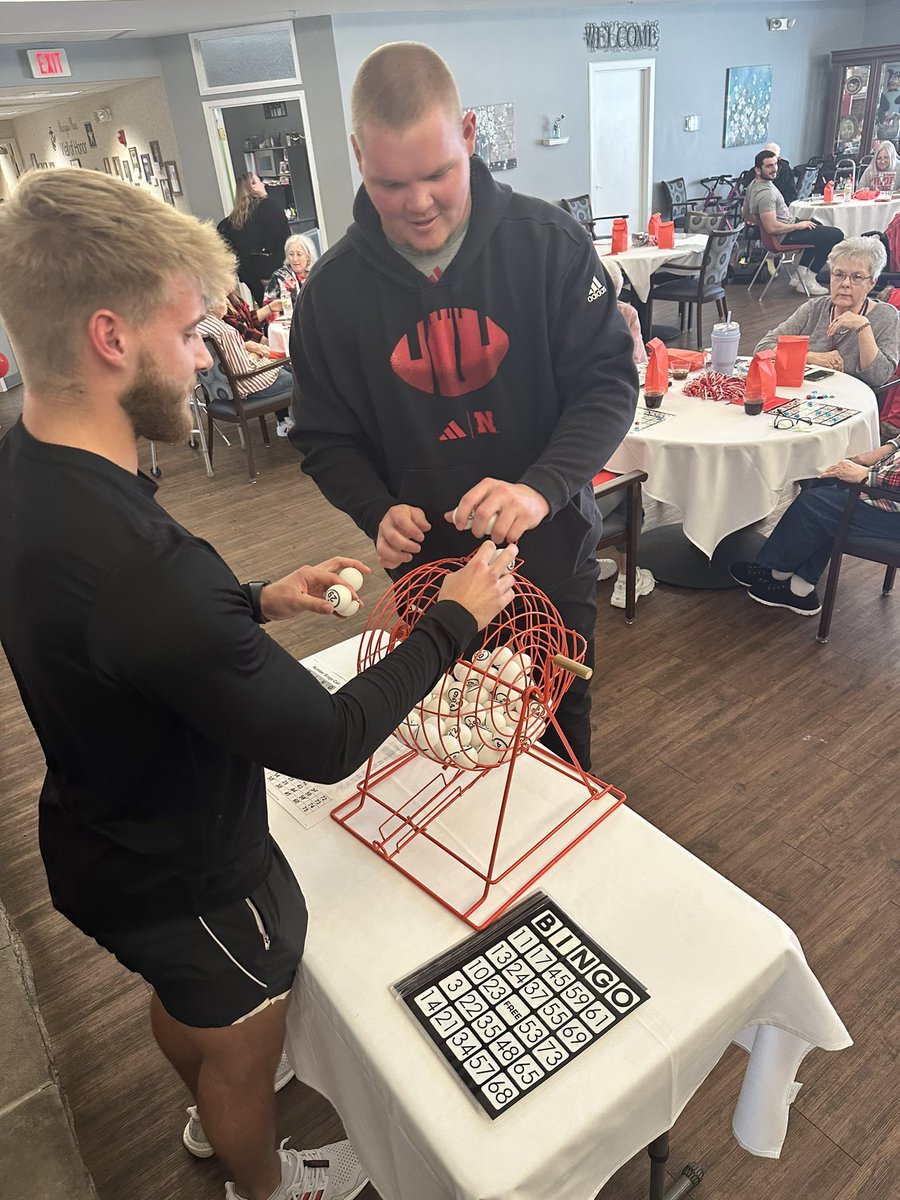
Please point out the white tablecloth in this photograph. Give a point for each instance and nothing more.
(854, 218)
(278, 335)
(719, 967)
(640, 262)
(725, 470)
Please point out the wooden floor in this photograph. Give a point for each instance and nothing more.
(729, 727)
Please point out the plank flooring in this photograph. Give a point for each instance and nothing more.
(730, 728)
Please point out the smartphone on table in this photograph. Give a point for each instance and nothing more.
(815, 376)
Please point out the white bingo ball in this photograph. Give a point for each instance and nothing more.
(461, 671)
(428, 739)
(492, 753)
(458, 733)
(468, 523)
(501, 656)
(342, 601)
(352, 577)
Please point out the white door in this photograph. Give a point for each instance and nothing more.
(621, 132)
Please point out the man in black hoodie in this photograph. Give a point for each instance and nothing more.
(459, 353)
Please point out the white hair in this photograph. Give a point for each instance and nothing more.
(300, 239)
(868, 249)
(774, 147)
(614, 271)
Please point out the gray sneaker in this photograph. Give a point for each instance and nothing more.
(194, 1136)
(332, 1172)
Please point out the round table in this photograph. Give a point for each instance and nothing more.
(724, 470)
(279, 334)
(854, 218)
(640, 262)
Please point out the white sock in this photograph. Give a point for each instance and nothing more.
(782, 575)
(801, 587)
(623, 577)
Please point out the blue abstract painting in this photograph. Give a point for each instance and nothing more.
(748, 98)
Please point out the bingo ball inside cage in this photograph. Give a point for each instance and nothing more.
(497, 700)
(446, 813)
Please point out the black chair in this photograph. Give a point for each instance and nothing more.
(706, 286)
(223, 403)
(879, 550)
(678, 200)
(580, 208)
(617, 527)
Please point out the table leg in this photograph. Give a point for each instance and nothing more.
(674, 559)
(691, 1175)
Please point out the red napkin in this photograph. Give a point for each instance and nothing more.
(864, 194)
(692, 359)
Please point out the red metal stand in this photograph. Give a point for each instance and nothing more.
(445, 815)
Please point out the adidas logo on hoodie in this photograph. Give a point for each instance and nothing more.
(596, 291)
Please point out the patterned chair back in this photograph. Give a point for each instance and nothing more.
(580, 208)
(676, 191)
(806, 182)
(213, 380)
(701, 222)
(717, 256)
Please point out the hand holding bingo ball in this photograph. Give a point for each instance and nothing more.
(489, 528)
(341, 597)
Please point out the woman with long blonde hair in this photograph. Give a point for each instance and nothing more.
(256, 229)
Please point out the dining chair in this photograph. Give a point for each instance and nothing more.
(580, 208)
(806, 181)
(678, 200)
(703, 222)
(617, 526)
(879, 550)
(706, 287)
(218, 385)
(780, 255)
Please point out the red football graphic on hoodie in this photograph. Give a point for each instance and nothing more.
(457, 351)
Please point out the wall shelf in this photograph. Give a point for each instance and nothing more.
(554, 141)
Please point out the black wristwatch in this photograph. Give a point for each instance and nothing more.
(254, 588)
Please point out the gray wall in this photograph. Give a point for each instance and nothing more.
(93, 61)
(882, 24)
(539, 61)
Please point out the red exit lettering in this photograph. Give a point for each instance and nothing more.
(49, 62)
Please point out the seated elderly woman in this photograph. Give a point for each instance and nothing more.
(234, 351)
(797, 550)
(299, 256)
(883, 172)
(847, 330)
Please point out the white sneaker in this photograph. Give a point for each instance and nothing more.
(812, 284)
(607, 568)
(283, 428)
(644, 583)
(330, 1173)
(796, 285)
(194, 1136)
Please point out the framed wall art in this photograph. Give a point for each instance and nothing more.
(174, 178)
(117, 166)
(156, 152)
(165, 191)
(495, 135)
(126, 170)
(147, 164)
(106, 167)
(135, 161)
(748, 99)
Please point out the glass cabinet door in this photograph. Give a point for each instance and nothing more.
(887, 111)
(854, 93)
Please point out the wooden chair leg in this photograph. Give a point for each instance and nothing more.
(699, 324)
(248, 448)
(834, 574)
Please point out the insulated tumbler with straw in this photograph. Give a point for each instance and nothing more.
(726, 336)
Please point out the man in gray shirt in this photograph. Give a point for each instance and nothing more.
(764, 205)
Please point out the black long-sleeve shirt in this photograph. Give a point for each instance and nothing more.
(156, 696)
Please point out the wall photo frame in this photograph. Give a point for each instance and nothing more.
(135, 161)
(748, 100)
(126, 170)
(275, 111)
(166, 191)
(106, 166)
(156, 152)
(495, 135)
(173, 177)
(147, 164)
(117, 166)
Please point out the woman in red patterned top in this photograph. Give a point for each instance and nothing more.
(299, 256)
(250, 322)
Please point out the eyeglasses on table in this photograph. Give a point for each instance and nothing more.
(790, 421)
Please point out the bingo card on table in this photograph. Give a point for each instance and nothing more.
(512, 1005)
(819, 412)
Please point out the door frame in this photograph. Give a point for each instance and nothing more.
(648, 96)
(222, 160)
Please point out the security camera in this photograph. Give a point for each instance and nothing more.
(780, 23)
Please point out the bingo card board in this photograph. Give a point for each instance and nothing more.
(646, 418)
(512, 1005)
(820, 412)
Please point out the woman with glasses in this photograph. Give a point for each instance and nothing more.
(848, 331)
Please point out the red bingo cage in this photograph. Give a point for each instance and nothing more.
(460, 813)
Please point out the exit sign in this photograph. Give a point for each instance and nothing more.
(46, 64)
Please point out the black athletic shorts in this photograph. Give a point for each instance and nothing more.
(227, 964)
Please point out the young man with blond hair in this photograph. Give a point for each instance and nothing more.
(140, 660)
(458, 353)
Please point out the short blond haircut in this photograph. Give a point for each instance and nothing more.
(75, 241)
(400, 83)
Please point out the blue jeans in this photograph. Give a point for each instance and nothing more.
(285, 380)
(802, 540)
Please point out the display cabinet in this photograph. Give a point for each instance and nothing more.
(865, 101)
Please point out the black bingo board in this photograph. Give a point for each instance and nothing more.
(512, 1005)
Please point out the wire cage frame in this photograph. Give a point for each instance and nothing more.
(445, 813)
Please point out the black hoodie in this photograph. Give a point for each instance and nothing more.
(516, 364)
